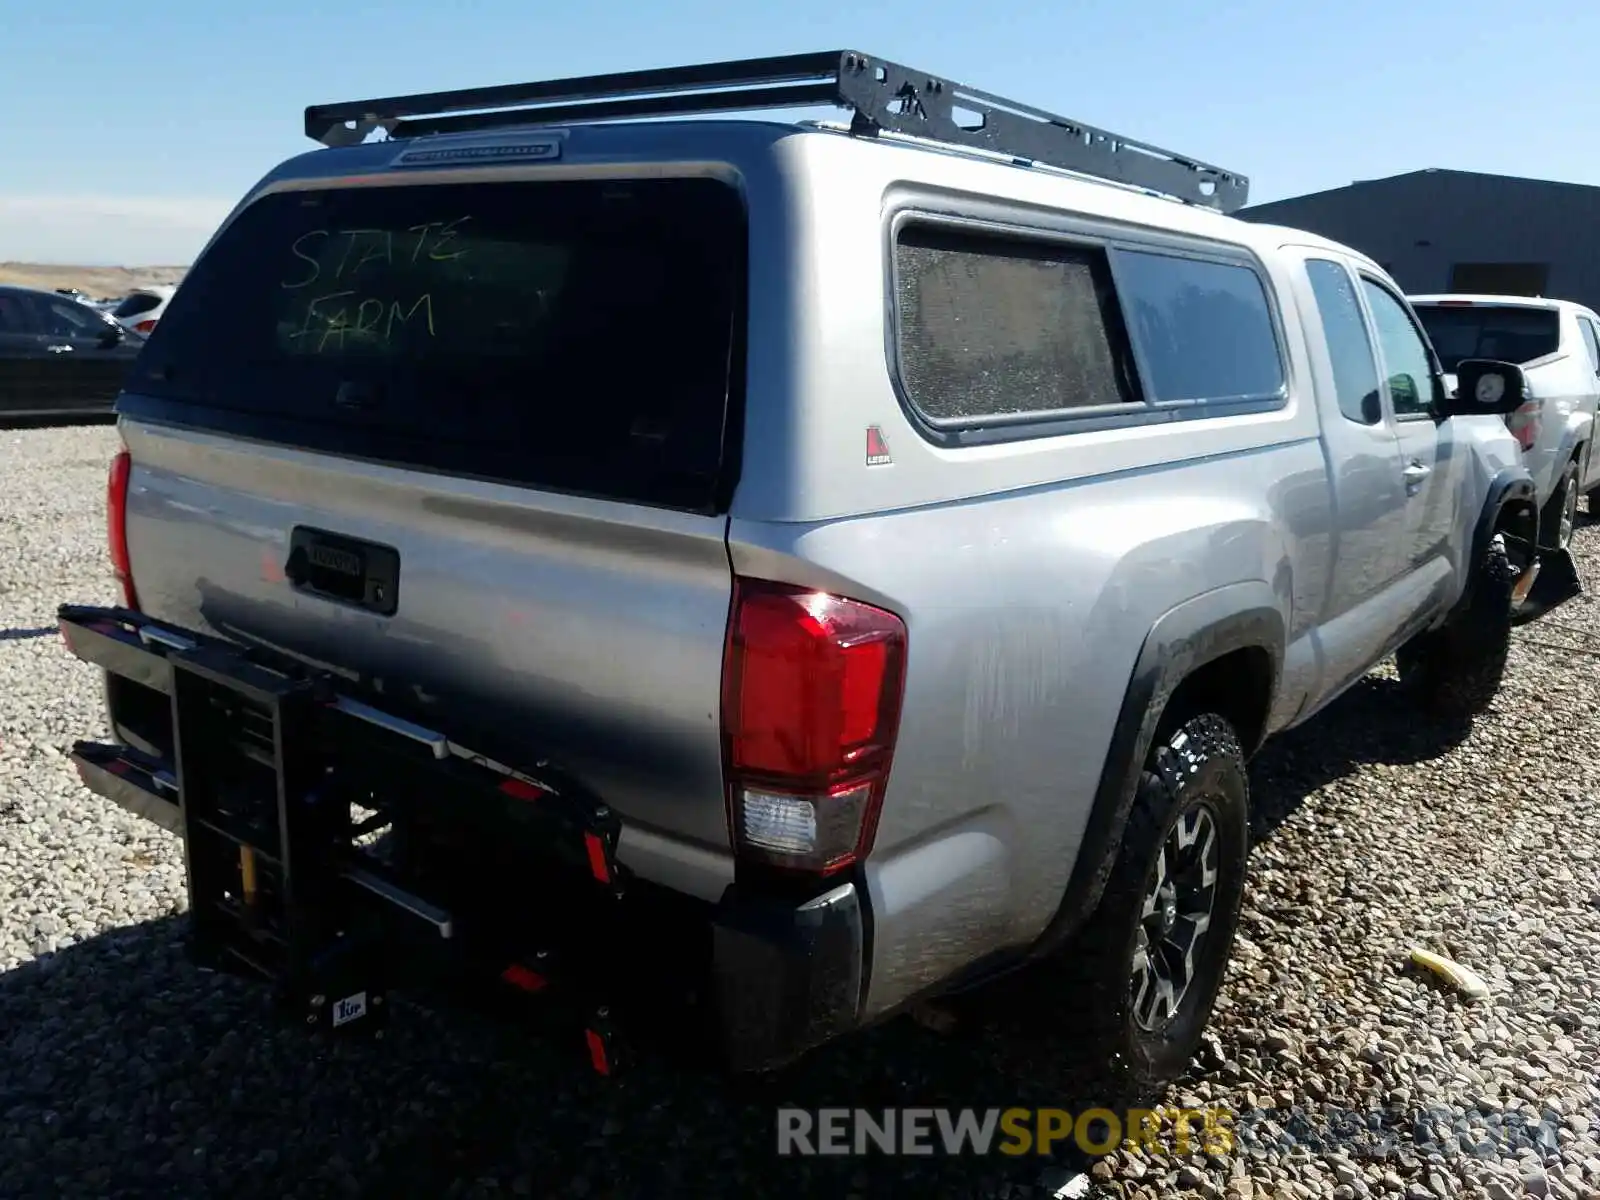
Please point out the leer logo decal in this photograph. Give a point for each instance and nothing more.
(877, 448)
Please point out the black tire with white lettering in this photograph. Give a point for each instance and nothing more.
(1148, 965)
(1457, 668)
(1562, 516)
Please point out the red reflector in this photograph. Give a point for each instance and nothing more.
(522, 790)
(519, 976)
(144, 326)
(597, 1052)
(271, 571)
(597, 857)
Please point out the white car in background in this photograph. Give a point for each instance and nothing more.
(1557, 345)
(141, 308)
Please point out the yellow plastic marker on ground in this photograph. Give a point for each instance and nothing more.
(1469, 983)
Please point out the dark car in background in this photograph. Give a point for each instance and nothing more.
(59, 357)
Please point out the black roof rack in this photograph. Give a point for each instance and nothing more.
(884, 96)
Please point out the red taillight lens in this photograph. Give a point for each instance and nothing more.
(144, 327)
(1524, 424)
(117, 526)
(812, 689)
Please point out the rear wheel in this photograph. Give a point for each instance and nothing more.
(1564, 508)
(1458, 667)
(1149, 963)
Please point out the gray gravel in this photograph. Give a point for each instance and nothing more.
(125, 1072)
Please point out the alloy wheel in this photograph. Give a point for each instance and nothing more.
(1174, 919)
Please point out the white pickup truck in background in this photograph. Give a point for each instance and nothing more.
(1557, 345)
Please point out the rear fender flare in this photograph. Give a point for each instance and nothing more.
(1200, 630)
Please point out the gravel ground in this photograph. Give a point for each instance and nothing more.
(125, 1072)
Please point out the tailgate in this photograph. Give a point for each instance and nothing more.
(468, 440)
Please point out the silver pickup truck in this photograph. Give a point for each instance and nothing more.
(840, 562)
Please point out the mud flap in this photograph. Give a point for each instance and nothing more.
(1556, 583)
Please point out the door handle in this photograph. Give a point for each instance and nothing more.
(59, 349)
(1415, 473)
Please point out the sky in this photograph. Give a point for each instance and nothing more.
(132, 128)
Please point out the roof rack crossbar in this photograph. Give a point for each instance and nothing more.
(793, 96)
(885, 97)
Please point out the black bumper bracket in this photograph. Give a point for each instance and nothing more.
(277, 778)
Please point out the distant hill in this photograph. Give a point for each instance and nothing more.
(97, 282)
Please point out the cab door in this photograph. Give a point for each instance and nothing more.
(1589, 477)
(1429, 471)
(87, 355)
(20, 351)
(1364, 597)
(1364, 451)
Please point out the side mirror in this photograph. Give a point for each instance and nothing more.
(1485, 387)
(112, 335)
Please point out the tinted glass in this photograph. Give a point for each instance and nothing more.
(1507, 333)
(1405, 354)
(1591, 339)
(61, 317)
(994, 326)
(570, 335)
(1355, 371)
(14, 318)
(132, 306)
(1204, 328)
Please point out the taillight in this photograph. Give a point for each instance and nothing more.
(1524, 424)
(144, 327)
(117, 526)
(811, 693)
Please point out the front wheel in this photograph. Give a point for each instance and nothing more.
(1457, 668)
(1150, 962)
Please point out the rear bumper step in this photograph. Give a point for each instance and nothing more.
(131, 780)
(278, 779)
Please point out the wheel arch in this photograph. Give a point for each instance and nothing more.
(1579, 431)
(1221, 651)
(1511, 506)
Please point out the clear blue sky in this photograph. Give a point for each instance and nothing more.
(130, 128)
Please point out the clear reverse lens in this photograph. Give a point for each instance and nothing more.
(782, 824)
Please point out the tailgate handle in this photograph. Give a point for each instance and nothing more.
(345, 569)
